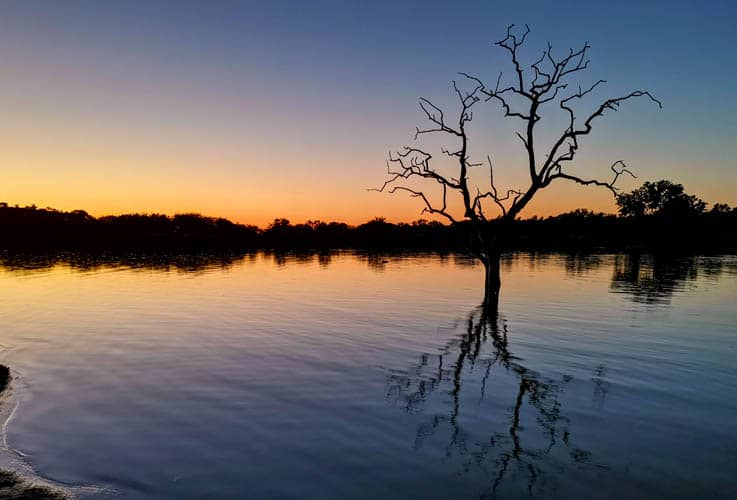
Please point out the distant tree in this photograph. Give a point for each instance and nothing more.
(581, 213)
(81, 214)
(541, 85)
(721, 208)
(663, 198)
(279, 224)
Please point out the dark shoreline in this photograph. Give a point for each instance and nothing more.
(39, 231)
(13, 485)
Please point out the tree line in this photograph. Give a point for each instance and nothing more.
(656, 216)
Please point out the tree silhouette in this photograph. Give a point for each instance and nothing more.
(547, 81)
(722, 209)
(660, 198)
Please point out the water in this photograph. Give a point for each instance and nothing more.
(349, 376)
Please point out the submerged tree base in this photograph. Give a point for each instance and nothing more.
(492, 282)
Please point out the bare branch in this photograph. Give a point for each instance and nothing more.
(618, 168)
(571, 134)
(435, 115)
(414, 162)
(511, 43)
(428, 206)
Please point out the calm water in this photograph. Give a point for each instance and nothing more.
(348, 376)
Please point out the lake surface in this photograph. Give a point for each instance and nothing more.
(352, 376)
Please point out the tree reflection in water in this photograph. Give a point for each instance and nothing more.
(508, 451)
(652, 280)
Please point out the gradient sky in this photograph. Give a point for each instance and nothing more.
(256, 110)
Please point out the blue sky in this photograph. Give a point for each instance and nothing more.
(255, 110)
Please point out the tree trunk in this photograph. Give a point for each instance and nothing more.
(492, 281)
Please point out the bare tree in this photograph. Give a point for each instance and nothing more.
(544, 83)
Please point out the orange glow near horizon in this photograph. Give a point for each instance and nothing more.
(75, 167)
(62, 171)
(112, 192)
(248, 207)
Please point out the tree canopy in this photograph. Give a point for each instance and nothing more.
(663, 197)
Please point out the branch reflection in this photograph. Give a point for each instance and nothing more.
(501, 416)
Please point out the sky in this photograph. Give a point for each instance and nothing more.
(256, 110)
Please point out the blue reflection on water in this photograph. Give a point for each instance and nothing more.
(362, 376)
